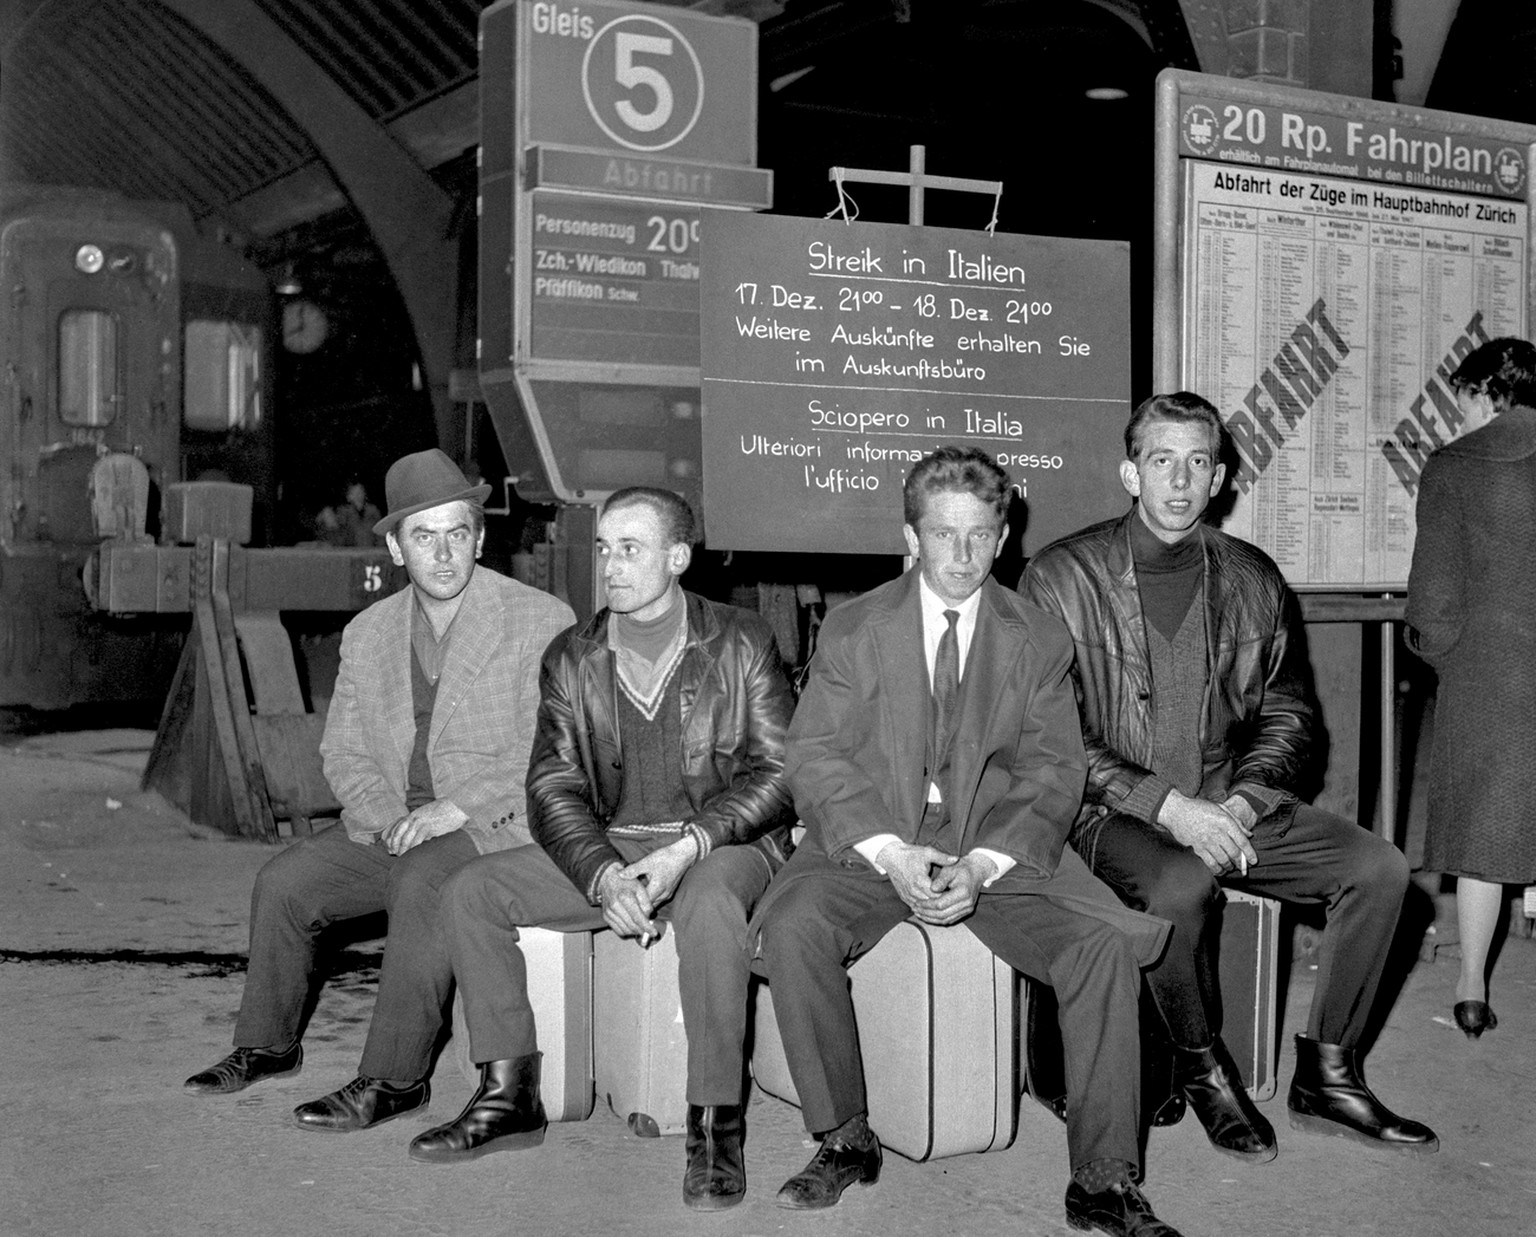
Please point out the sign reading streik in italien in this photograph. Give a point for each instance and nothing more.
(1329, 264)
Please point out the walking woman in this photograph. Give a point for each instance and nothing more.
(1472, 616)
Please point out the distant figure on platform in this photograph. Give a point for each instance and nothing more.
(426, 747)
(1200, 722)
(352, 522)
(1472, 616)
(937, 764)
(656, 790)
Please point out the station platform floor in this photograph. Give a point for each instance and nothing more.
(122, 947)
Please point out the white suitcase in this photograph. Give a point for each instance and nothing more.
(938, 1030)
(640, 1049)
(560, 991)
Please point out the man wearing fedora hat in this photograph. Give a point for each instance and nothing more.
(426, 747)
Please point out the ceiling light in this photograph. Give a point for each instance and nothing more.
(1107, 94)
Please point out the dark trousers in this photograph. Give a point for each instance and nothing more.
(821, 915)
(329, 877)
(1310, 856)
(486, 903)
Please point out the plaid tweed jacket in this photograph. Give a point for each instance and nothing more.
(482, 723)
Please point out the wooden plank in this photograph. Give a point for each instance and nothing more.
(242, 760)
(289, 745)
(268, 654)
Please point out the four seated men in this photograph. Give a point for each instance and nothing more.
(938, 761)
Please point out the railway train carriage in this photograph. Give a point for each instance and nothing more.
(126, 337)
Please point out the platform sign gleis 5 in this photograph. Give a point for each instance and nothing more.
(640, 79)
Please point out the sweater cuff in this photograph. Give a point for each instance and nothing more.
(1146, 798)
(1262, 799)
(700, 838)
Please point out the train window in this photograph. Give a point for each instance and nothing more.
(88, 378)
(222, 362)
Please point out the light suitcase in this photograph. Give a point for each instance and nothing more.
(560, 991)
(1247, 969)
(640, 1050)
(937, 1018)
(1249, 966)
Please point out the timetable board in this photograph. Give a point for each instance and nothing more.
(836, 355)
(1327, 281)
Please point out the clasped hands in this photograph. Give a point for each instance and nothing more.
(940, 888)
(1219, 833)
(630, 895)
(430, 820)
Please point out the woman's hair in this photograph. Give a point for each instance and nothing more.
(1502, 369)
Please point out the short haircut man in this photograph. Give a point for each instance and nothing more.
(975, 833)
(425, 747)
(1200, 724)
(627, 833)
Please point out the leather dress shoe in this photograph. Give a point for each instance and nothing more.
(1474, 1017)
(1122, 1211)
(1329, 1096)
(846, 1155)
(1208, 1080)
(716, 1176)
(362, 1103)
(504, 1114)
(244, 1066)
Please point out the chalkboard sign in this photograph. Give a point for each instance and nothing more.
(836, 355)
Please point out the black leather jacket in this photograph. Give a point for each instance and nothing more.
(736, 707)
(1259, 722)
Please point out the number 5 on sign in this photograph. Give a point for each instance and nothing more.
(643, 83)
(628, 73)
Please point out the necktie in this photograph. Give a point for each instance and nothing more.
(946, 692)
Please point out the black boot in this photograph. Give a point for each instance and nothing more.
(716, 1177)
(1329, 1096)
(1208, 1079)
(505, 1114)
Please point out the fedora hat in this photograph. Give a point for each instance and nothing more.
(425, 479)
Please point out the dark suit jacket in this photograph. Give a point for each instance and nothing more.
(857, 743)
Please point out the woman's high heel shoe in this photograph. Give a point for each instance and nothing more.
(1474, 1017)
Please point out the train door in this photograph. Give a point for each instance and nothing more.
(95, 351)
(92, 355)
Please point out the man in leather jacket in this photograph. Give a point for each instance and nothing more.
(627, 835)
(1200, 724)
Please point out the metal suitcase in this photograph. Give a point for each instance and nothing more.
(640, 1050)
(560, 991)
(937, 1017)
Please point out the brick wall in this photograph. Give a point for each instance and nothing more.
(1267, 40)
